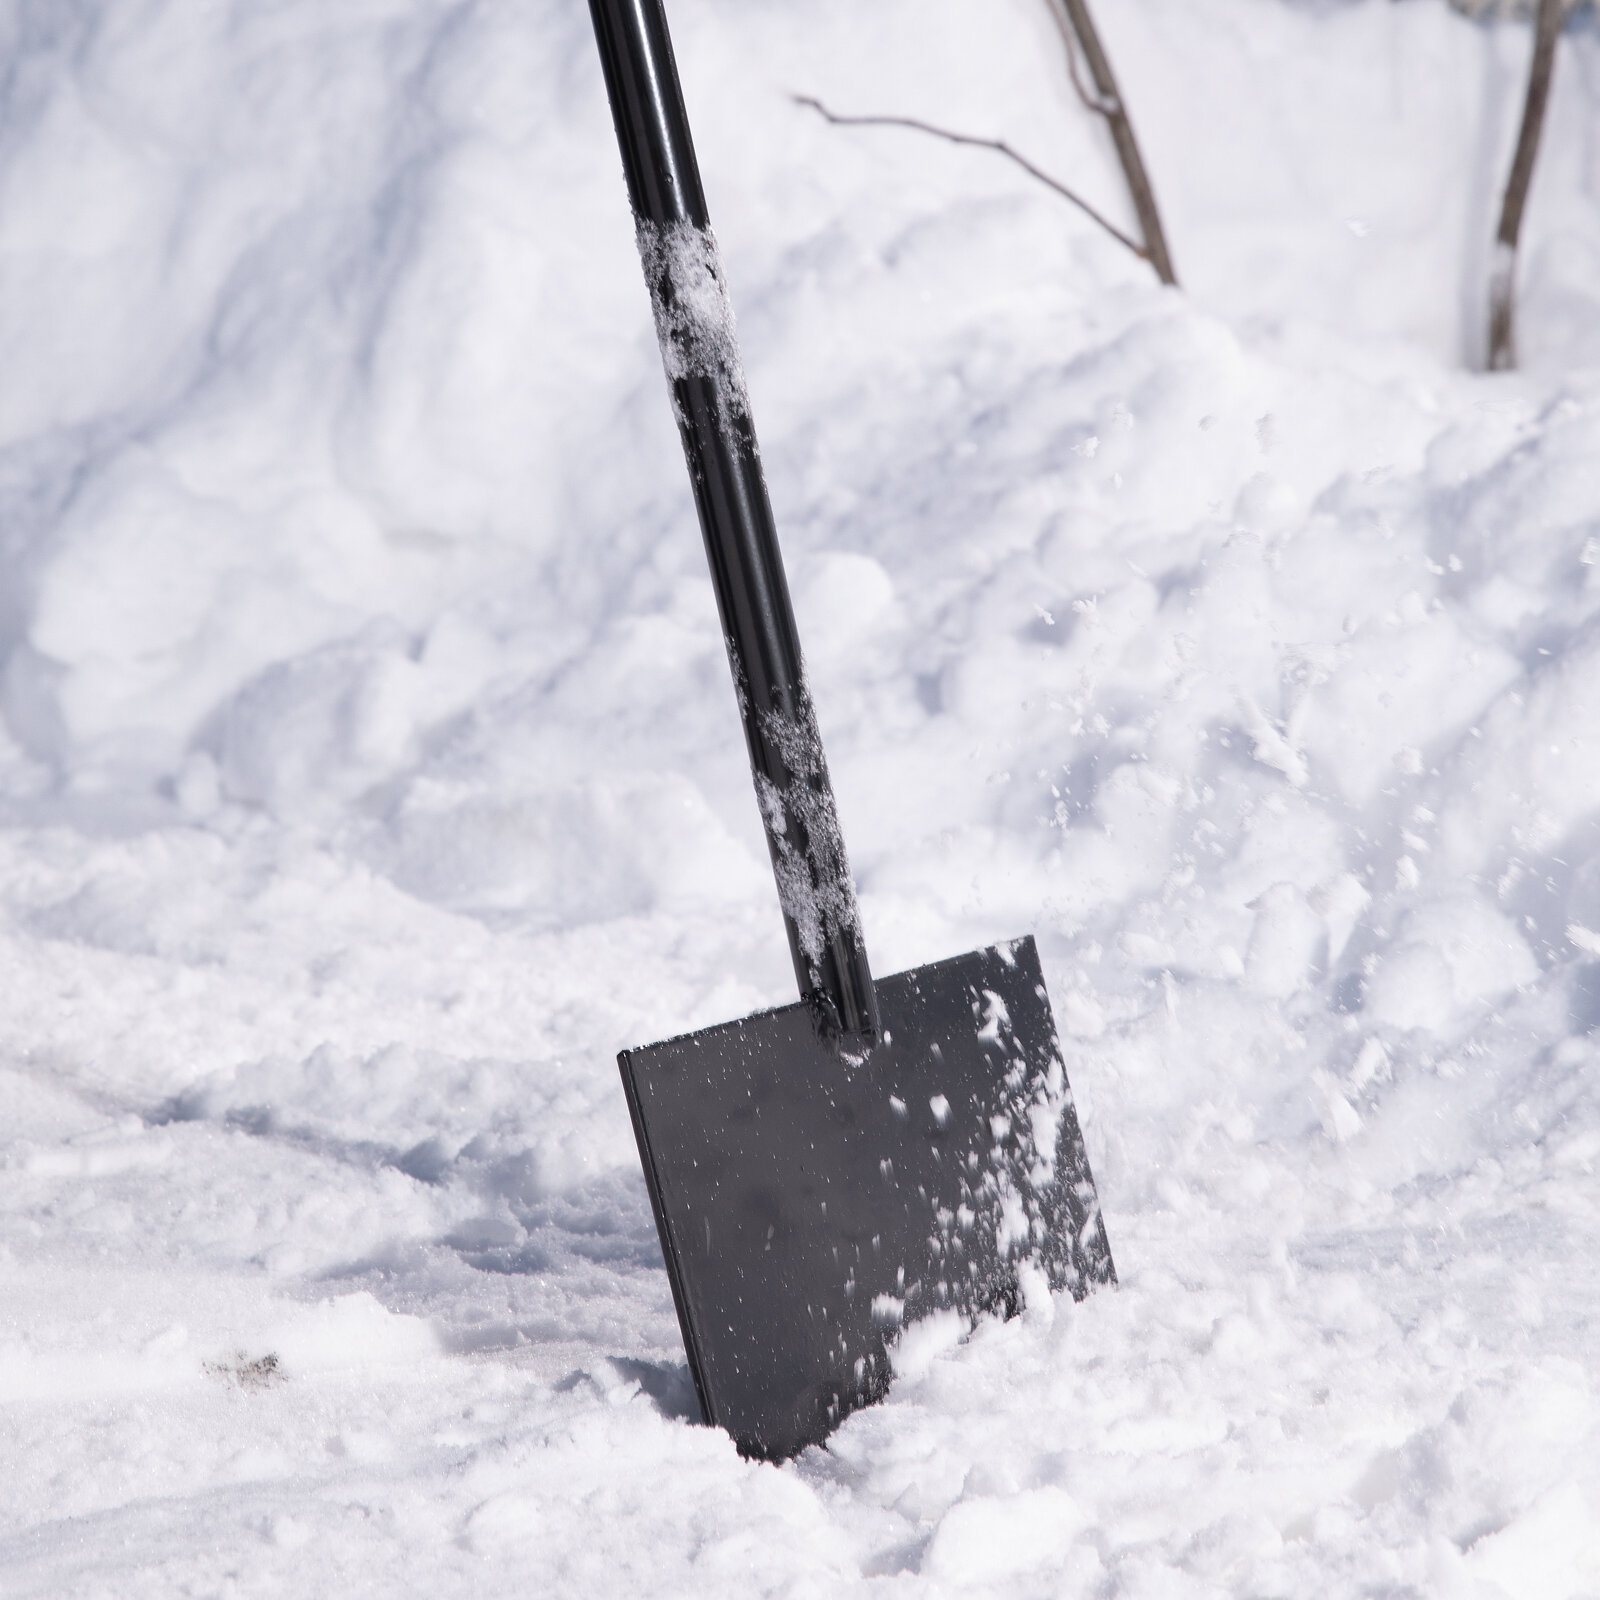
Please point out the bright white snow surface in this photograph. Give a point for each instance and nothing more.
(371, 774)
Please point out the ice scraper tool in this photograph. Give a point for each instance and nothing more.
(822, 1173)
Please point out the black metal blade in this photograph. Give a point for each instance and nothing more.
(809, 1204)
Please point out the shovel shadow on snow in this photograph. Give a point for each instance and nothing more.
(666, 1385)
(599, 1231)
(529, 1225)
(570, 1264)
(1583, 1005)
(267, 1123)
(569, 1249)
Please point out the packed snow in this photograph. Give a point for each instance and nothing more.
(370, 775)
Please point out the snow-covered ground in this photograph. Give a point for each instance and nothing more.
(370, 775)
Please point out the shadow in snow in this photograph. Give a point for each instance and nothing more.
(667, 1384)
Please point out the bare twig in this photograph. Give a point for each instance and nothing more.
(1091, 101)
(1078, 29)
(999, 146)
(1503, 278)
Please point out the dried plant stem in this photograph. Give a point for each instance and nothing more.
(1078, 29)
(999, 146)
(1503, 279)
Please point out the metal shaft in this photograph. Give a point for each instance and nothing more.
(694, 323)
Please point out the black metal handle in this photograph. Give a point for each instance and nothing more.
(694, 323)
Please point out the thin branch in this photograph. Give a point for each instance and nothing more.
(1078, 29)
(1503, 279)
(1091, 101)
(999, 146)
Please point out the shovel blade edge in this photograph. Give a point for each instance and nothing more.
(810, 1205)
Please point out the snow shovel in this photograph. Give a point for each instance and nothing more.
(882, 1151)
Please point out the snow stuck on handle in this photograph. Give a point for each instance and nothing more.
(802, 823)
(693, 311)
